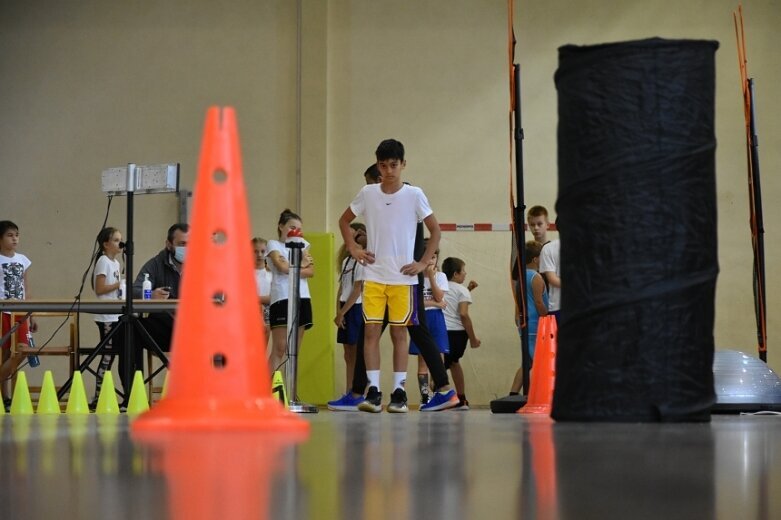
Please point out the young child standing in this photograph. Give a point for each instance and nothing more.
(536, 304)
(349, 316)
(538, 225)
(13, 286)
(537, 222)
(278, 255)
(106, 281)
(550, 268)
(392, 211)
(262, 279)
(435, 286)
(459, 324)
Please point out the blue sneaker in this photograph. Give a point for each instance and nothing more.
(441, 401)
(346, 403)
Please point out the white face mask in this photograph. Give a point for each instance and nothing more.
(179, 253)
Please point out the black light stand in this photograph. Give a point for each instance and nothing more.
(296, 246)
(520, 218)
(128, 319)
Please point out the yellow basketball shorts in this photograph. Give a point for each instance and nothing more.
(399, 300)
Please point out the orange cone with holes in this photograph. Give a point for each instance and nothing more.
(543, 373)
(219, 378)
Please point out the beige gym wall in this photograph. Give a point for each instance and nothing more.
(88, 85)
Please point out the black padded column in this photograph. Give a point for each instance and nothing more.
(637, 217)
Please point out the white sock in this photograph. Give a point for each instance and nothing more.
(399, 380)
(374, 378)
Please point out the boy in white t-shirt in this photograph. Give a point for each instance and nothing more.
(434, 288)
(13, 286)
(392, 211)
(550, 268)
(459, 324)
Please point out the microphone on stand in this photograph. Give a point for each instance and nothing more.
(296, 243)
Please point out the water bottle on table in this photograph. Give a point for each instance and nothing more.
(147, 287)
(32, 359)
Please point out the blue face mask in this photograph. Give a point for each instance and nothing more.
(179, 253)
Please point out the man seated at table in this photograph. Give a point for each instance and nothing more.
(165, 271)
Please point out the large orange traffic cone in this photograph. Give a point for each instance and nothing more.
(543, 373)
(220, 377)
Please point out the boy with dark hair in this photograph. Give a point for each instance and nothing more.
(392, 211)
(536, 304)
(372, 174)
(459, 324)
(13, 286)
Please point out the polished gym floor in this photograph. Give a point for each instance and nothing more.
(449, 465)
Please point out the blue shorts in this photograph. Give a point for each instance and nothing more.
(435, 322)
(353, 323)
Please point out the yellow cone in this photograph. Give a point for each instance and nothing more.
(47, 401)
(77, 398)
(107, 400)
(278, 388)
(21, 404)
(138, 402)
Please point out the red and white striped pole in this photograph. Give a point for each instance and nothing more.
(481, 226)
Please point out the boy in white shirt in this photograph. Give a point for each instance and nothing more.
(13, 286)
(459, 324)
(550, 268)
(392, 211)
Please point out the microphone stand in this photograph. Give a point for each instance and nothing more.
(296, 244)
(128, 319)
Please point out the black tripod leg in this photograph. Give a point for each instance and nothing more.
(153, 346)
(85, 364)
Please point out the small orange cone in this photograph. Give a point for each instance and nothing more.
(543, 373)
(221, 377)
